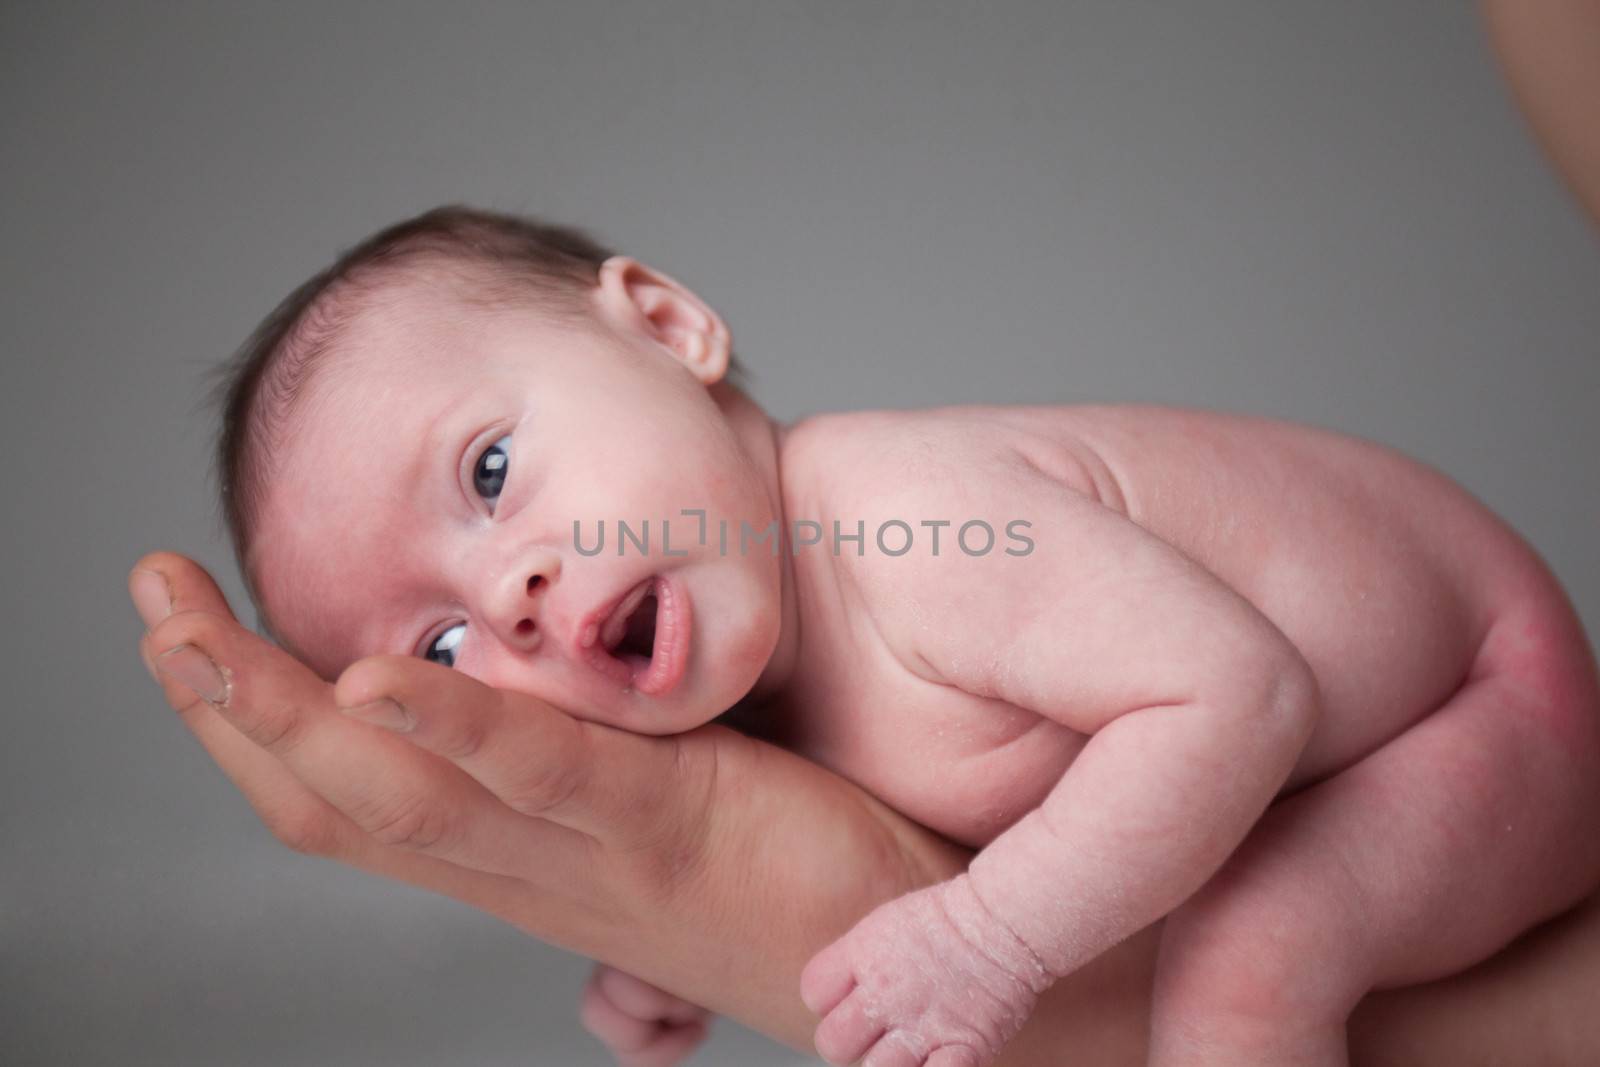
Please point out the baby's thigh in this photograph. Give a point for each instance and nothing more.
(1421, 859)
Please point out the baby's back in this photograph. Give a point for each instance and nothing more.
(1384, 573)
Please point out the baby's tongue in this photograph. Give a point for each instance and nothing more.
(617, 627)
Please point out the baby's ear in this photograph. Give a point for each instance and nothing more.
(644, 299)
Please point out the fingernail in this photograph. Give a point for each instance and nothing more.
(194, 669)
(150, 596)
(385, 713)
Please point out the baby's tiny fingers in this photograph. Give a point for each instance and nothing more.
(847, 1032)
(953, 1056)
(827, 979)
(894, 1050)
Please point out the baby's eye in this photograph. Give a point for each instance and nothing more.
(442, 649)
(489, 476)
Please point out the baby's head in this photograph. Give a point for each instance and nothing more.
(418, 441)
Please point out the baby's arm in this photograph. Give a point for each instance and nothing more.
(1198, 707)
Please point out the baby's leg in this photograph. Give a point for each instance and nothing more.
(641, 1025)
(1422, 859)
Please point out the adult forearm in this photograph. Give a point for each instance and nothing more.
(776, 880)
(781, 879)
(773, 880)
(1550, 51)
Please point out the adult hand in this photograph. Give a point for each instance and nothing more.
(586, 836)
(1549, 51)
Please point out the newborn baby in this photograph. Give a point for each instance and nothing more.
(1302, 697)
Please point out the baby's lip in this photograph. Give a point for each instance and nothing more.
(669, 657)
(602, 629)
(603, 620)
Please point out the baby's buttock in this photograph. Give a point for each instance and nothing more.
(1394, 625)
(1385, 574)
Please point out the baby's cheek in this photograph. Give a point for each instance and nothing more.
(736, 639)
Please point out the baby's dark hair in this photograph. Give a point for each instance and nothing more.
(485, 258)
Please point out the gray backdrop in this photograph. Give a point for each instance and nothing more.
(1329, 212)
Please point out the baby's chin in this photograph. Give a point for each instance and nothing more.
(729, 655)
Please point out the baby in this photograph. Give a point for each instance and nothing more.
(1302, 697)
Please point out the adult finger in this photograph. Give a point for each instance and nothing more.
(297, 816)
(160, 584)
(390, 790)
(184, 586)
(611, 784)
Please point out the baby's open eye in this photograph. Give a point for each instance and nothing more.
(442, 649)
(489, 475)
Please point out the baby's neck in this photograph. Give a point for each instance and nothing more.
(762, 438)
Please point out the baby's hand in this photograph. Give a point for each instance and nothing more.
(930, 978)
(641, 1025)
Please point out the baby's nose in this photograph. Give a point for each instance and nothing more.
(518, 601)
(526, 625)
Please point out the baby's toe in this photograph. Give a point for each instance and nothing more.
(954, 1056)
(847, 1031)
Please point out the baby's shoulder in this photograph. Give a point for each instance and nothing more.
(885, 459)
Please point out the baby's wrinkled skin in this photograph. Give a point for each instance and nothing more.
(1217, 613)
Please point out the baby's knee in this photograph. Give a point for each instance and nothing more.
(1538, 653)
(1261, 954)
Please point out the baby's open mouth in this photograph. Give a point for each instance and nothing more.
(630, 633)
(643, 642)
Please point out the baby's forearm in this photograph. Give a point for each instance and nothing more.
(1149, 810)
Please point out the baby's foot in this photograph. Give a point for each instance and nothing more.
(930, 978)
(641, 1025)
